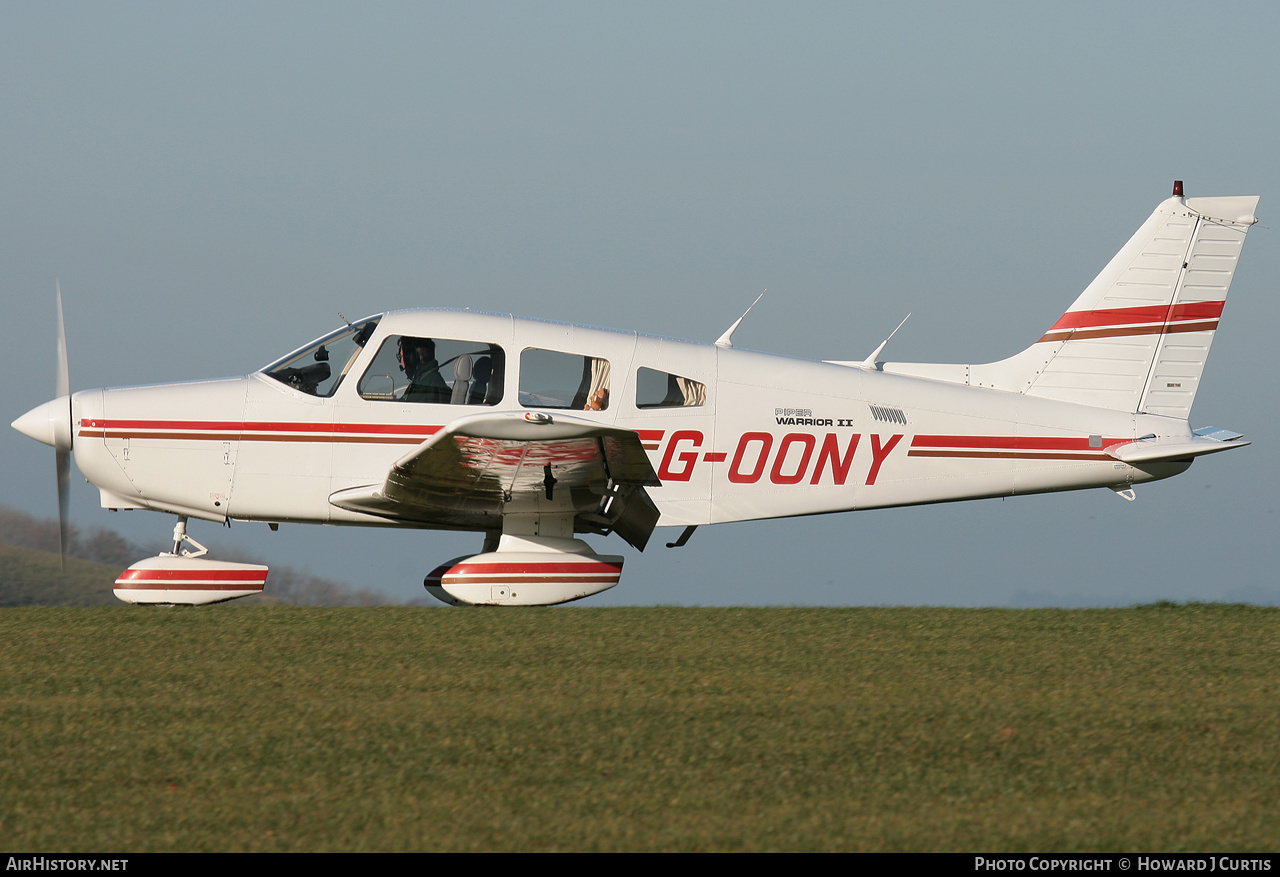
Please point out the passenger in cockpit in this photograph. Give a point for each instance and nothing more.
(481, 372)
(418, 362)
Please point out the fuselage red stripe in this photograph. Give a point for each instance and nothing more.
(382, 433)
(233, 436)
(1011, 455)
(212, 430)
(224, 426)
(1014, 442)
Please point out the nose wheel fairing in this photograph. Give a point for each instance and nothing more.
(186, 577)
(189, 581)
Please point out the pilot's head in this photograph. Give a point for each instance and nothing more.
(415, 353)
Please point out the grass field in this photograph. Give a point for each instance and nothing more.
(285, 728)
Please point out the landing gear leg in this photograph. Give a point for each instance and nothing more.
(180, 536)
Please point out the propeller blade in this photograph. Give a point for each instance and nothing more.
(64, 501)
(62, 388)
(62, 383)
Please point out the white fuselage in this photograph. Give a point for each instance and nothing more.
(765, 436)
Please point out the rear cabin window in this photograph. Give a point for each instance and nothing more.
(550, 379)
(655, 389)
(440, 371)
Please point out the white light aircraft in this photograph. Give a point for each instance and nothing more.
(532, 432)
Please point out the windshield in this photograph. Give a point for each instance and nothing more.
(319, 368)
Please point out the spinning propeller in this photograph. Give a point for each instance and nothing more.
(62, 441)
(51, 423)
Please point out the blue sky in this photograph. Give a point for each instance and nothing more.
(213, 184)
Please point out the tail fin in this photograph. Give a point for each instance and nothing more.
(1137, 338)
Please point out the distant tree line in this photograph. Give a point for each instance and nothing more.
(21, 530)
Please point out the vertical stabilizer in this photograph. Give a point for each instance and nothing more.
(1137, 338)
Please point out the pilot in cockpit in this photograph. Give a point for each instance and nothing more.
(417, 358)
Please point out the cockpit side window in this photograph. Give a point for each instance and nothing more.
(550, 379)
(441, 371)
(655, 389)
(319, 368)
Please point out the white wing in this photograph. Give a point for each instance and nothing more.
(481, 467)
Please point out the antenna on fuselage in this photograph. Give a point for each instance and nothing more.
(725, 340)
(870, 361)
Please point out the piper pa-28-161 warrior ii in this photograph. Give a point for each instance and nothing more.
(532, 432)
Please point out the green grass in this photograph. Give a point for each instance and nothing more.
(285, 728)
